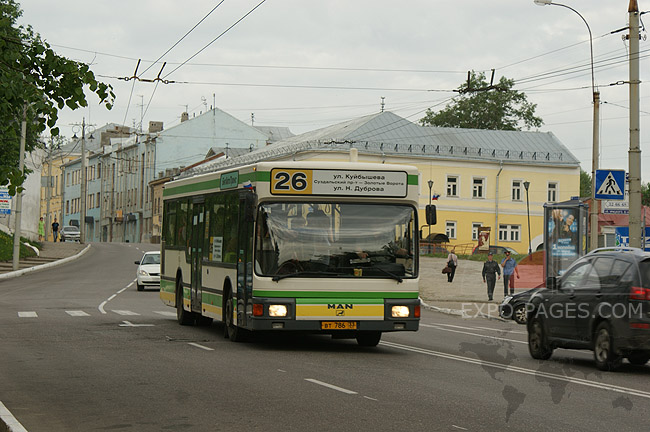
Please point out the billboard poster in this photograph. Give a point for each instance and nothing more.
(484, 239)
(563, 233)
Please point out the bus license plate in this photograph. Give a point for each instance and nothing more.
(338, 325)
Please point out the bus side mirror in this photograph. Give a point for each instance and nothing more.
(432, 217)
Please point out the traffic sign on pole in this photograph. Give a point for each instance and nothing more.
(610, 184)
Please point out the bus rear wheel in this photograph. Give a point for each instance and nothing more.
(368, 338)
(182, 316)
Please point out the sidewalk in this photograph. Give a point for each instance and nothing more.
(467, 291)
(50, 253)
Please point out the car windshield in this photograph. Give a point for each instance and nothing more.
(151, 259)
(71, 229)
(332, 239)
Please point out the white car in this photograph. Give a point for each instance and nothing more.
(148, 273)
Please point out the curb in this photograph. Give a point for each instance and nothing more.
(13, 274)
(8, 422)
(458, 312)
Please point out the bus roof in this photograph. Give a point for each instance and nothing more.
(324, 178)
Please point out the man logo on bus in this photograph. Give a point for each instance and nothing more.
(340, 306)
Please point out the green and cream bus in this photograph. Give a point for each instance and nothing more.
(294, 246)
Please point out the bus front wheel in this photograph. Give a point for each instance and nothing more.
(232, 332)
(368, 338)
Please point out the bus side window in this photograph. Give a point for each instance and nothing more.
(169, 224)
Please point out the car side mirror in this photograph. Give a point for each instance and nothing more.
(137, 262)
(552, 283)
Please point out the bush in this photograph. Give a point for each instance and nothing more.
(7, 247)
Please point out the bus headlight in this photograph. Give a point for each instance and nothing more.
(277, 310)
(399, 311)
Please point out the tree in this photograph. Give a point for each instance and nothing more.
(32, 75)
(645, 194)
(481, 105)
(585, 184)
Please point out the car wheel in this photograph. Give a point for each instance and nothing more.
(368, 338)
(233, 332)
(519, 314)
(638, 358)
(537, 344)
(182, 316)
(140, 287)
(604, 354)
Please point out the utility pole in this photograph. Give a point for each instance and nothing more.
(19, 196)
(82, 222)
(634, 154)
(49, 187)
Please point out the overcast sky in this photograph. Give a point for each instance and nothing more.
(306, 64)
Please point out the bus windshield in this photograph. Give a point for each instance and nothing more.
(335, 240)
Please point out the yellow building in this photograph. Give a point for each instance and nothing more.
(479, 176)
(52, 169)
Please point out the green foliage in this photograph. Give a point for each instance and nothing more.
(32, 75)
(7, 248)
(481, 106)
(645, 194)
(585, 184)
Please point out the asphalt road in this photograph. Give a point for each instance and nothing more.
(82, 350)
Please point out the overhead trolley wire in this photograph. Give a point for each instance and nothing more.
(215, 39)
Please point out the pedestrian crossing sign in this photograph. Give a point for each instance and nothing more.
(610, 184)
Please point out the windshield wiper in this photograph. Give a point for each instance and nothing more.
(386, 272)
(304, 273)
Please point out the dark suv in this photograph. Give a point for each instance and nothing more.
(601, 303)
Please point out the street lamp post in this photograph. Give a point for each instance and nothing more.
(430, 183)
(596, 126)
(530, 247)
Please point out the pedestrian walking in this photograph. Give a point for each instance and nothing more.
(41, 229)
(509, 270)
(490, 273)
(55, 230)
(452, 263)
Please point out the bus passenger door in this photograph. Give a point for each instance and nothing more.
(245, 258)
(196, 247)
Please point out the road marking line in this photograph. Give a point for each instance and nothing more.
(333, 387)
(521, 370)
(9, 419)
(125, 312)
(372, 399)
(503, 330)
(459, 427)
(77, 313)
(166, 313)
(476, 334)
(130, 324)
(27, 315)
(200, 346)
(102, 304)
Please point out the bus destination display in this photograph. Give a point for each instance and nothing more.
(339, 182)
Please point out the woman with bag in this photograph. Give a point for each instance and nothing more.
(452, 263)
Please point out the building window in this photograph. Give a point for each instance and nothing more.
(67, 207)
(451, 229)
(552, 192)
(478, 188)
(516, 190)
(452, 186)
(475, 227)
(509, 233)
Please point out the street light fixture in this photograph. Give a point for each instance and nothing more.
(530, 247)
(596, 127)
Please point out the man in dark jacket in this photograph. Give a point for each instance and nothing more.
(490, 271)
